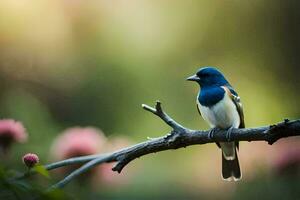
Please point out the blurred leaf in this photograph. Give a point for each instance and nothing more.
(42, 170)
(13, 173)
(21, 185)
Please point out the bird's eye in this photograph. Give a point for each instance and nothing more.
(204, 74)
(200, 74)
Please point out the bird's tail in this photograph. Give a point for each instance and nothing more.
(230, 165)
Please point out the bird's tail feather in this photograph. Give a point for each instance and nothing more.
(231, 168)
(228, 150)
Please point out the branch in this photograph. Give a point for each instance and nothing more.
(160, 113)
(179, 137)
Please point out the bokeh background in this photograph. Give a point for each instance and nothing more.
(72, 63)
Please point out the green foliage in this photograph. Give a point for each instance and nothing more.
(12, 188)
(42, 171)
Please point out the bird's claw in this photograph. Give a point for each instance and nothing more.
(212, 132)
(229, 134)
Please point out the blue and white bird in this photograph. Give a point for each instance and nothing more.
(221, 108)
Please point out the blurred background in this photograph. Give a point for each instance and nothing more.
(85, 67)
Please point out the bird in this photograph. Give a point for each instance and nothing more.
(220, 106)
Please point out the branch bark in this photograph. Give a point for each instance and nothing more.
(179, 137)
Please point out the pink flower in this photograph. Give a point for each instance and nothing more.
(78, 142)
(86, 141)
(11, 131)
(30, 159)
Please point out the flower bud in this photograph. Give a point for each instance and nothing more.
(30, 159)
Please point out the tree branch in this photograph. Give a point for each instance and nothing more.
(160, 113)
(179, 137)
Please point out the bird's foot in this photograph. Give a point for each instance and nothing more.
(212, 132)
(229, 134)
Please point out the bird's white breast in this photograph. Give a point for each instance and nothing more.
(222, 115)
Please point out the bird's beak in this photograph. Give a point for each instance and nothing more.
(193, 78)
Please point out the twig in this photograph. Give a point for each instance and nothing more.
(160, 113)
(82, 169)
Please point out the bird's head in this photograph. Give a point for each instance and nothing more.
(208, 76)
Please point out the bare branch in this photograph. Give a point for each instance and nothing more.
(76, 160)
(179, 137)
(82, 169)
(166, 118)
